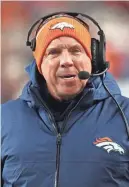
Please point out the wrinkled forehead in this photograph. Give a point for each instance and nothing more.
(64, 41)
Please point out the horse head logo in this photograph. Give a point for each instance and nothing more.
(62, 25)
(107, 144)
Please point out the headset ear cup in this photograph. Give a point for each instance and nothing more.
(33, 44)
(95, 55)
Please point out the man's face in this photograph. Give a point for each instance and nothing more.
(63, 60)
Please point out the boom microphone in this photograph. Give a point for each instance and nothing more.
(83, 75)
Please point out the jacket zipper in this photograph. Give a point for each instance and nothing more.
(58, 138)
(59, 135)
(59, 141)
(58, 148)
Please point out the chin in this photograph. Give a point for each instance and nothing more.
(69, 95)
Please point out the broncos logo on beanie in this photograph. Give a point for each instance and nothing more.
(62, 25)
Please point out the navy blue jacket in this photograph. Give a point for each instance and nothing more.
(91, 149)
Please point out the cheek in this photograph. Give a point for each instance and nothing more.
(84, 63)
(45, 70)
(49, 70)
(88, 66)
(87, 63)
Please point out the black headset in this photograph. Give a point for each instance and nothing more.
(98, 50)
(98, 47)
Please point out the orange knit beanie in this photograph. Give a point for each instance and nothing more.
(57, 27)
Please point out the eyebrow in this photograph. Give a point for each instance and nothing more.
(60, 46)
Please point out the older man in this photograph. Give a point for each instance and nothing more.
(64, 131)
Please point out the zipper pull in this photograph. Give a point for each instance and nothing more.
(59, 139)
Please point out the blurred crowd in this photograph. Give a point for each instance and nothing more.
(18, 16)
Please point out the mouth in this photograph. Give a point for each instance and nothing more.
(68, 76)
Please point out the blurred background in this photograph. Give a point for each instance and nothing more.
(18, 16)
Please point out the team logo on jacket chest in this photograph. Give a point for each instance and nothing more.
(109, 145)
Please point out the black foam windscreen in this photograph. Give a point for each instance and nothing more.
(83, 75)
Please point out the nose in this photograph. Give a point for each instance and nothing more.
(66, 59)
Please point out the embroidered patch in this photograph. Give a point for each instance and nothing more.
(107, 144)
(62, 25)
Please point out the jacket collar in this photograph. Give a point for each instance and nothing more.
(94, 88)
